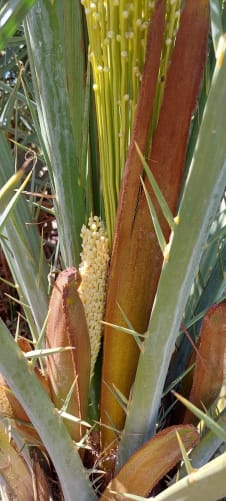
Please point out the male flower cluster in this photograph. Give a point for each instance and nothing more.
(93, 269)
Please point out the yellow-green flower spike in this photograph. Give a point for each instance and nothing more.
(117, 44)
(117, 36)
(93, 270)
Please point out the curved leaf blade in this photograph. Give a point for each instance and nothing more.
(151, 462)
(11, 16)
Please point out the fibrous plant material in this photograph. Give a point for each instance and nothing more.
(67, 327)
(5, 407)
(40, 482)
(92, 290)
(118, 37)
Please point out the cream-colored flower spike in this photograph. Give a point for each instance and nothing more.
(93, 269)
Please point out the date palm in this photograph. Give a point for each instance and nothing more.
(126, 105)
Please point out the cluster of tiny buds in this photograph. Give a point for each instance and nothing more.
(130, 6)
(93, 270)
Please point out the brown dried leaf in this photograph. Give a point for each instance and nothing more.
(14, 470)
(67, 327)
(209, 370)
(40, 483)
(151, 462)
